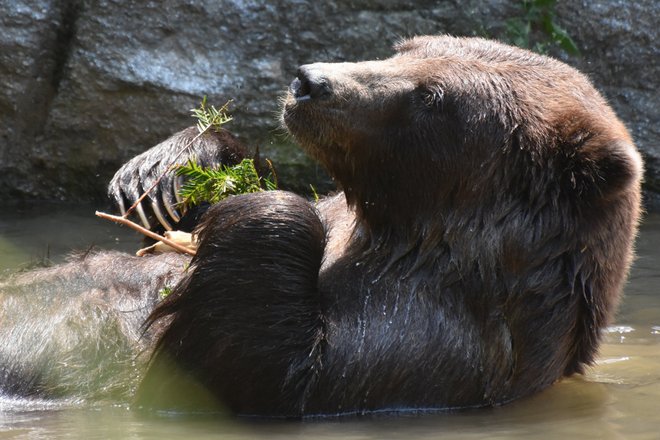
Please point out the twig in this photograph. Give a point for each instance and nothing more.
(272, 171)
(147, 232)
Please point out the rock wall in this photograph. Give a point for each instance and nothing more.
(87, 84)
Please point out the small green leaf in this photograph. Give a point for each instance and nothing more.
(314, 193)
(561, 37)
(545, 4)
(165, 292)
(538, 15)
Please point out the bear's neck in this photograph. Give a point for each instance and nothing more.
(414, 218)
(399, 220)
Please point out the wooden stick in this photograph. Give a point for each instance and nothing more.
(145, 231)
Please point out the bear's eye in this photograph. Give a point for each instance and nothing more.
(433, 97)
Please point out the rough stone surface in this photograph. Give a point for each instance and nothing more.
(87, 84)
(620, 44)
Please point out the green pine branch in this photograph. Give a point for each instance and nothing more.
(202, 184)
(213, 185)
(211, 117)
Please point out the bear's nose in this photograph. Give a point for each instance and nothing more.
(309, 84)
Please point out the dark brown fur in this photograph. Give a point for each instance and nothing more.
(485, 230)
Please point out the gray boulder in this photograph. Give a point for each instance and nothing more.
(90, 83)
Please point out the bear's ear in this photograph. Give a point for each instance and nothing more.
(608, 169)
(407, 45)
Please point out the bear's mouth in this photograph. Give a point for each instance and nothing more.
(309, 84)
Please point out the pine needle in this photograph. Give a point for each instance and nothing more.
(207, 118)
(215, 184)
(211, 117)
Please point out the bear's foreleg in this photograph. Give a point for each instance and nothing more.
(245, 327)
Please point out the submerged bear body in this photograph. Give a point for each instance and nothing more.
(480, 243)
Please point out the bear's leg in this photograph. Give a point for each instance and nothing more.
(73, 331)
(245, 325)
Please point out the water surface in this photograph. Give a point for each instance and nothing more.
(618, 399)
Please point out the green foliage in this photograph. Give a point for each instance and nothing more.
(211, 117)
(315, 195)
(538, 15)
(212, 185)
(165, 292)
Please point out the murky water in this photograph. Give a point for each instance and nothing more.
(51, 232)
(618, 399)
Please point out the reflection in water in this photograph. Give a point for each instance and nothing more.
(29, 237)
(617, 399)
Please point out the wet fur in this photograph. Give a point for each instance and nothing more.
(480, 245)
(73, 331)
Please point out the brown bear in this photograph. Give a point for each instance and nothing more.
(490, 200)
(479, 247)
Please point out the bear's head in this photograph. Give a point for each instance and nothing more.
(484, 165)
(459, 124)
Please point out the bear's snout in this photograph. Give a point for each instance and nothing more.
(310, 83)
